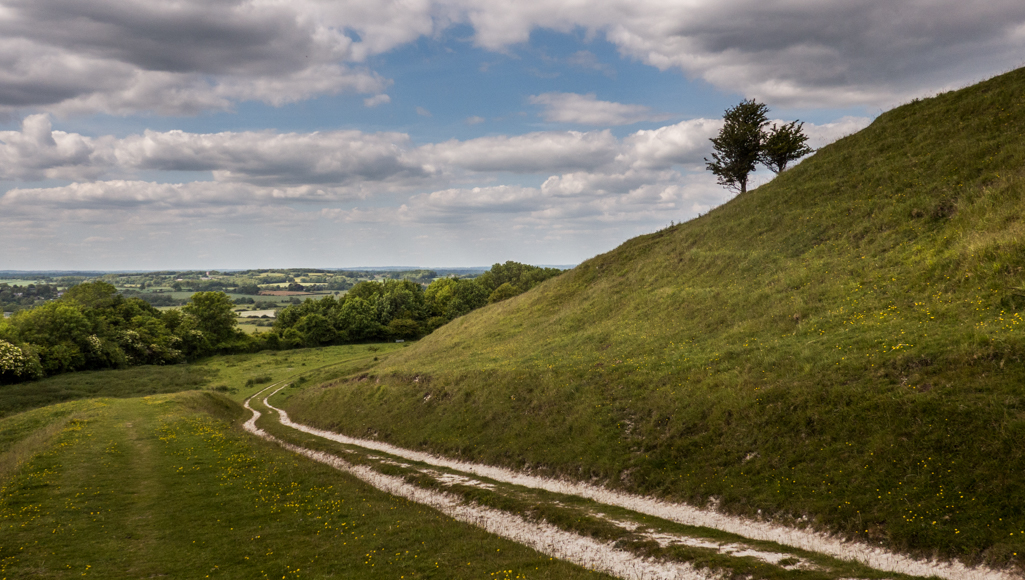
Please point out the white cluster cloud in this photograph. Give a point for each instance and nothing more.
(355, 177)
(550, 151)
(39, 152)
(338, 158)
(376, 100)
(183, 57)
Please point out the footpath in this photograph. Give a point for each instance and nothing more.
(625, 535)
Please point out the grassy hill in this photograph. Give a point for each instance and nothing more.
(842, 346)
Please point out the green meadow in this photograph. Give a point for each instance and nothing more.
(169, 485)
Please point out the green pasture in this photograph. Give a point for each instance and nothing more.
(255, 314)
(169, 486)
(236, 375)
(22, 282)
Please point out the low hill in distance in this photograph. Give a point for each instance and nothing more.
(841, 347)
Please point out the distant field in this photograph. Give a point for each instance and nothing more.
(252, 328)
(22, 281)
(276, 297)
(284, 293)
(256, 313)
(181, 295)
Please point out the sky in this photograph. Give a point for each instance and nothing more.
(224, 134)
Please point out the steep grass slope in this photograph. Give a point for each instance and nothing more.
(843, 344)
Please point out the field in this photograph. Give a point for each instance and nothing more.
(255, 313)
(116, 481)
(279, 299)
(239, 375)
(21, 282)
(168, 485)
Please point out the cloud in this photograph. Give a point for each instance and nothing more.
(118, 202)
(376, 100)
(270, 158)
(38, 152)
(531, 153)
(326, 165)
(189, 56)
(423, 112)
(684, 143)
(822, 135)
(570, 187)
(544, 208)
(827, 53)
(175, 58)
(587, 110)
(474, 120)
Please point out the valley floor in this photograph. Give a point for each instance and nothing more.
(171, 486)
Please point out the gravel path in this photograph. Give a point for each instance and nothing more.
(544, 538)
(873, 557)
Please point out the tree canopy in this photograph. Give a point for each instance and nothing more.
(743, 142)
(783, 145)
(738, 145)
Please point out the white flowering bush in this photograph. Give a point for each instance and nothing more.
(12, 360)
(16, 364)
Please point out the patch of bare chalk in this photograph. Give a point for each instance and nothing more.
(736, 550)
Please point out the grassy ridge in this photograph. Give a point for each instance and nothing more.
(843, 344)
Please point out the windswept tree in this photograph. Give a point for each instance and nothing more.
(744, 142)
(739, 144)
(783, 145)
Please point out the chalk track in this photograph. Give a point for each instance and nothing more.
(592, 553)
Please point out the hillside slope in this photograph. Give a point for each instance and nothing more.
(843, 344)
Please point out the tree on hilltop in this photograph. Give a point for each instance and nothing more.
(783, 145)
(739, 144)
(744, 142)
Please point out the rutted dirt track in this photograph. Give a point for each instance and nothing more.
(589, 552)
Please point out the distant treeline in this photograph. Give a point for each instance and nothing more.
(93, 326)
(17, 297)
(401, 308)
